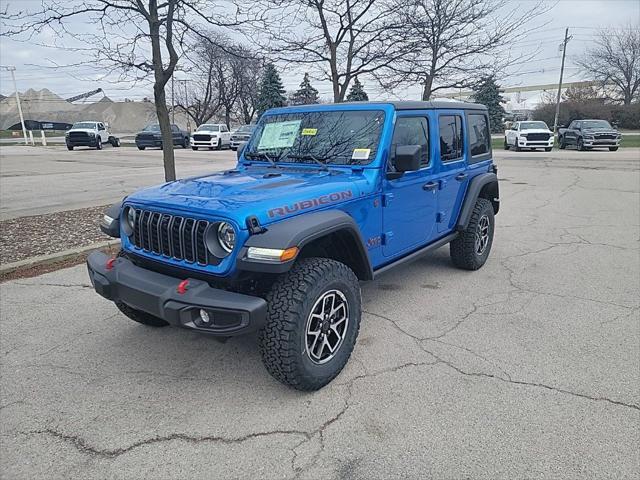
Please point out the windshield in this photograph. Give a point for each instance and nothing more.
(210, 128)
(532, 125)
(84, 125)
(595, 124)
(338, 137)
(152, 128)
(246, 129)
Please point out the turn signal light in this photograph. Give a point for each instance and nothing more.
(288, 254)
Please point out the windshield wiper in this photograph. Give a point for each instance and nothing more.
(308, 156)
(261, 155)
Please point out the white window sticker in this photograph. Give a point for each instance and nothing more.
(361, 154)
(279, 134)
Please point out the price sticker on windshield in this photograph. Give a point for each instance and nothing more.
(309, 131)
(361, 154)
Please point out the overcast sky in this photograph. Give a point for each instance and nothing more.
(583, 17)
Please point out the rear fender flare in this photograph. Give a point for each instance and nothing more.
(484, 185)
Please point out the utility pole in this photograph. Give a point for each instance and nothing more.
(564, 53)
(12, 69)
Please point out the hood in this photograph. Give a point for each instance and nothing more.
(600, 130)
(535, 130)
(206, 131)
(149, 132)
(269, 194)
(86, 130)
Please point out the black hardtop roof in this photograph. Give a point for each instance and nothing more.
(431, 104)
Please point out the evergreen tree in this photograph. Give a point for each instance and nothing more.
(270, 91)
(306, 94)
(487, 92)
(357, 93)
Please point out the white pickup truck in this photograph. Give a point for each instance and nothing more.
(89, 134)
(528, 134)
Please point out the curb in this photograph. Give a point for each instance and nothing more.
(54, 257)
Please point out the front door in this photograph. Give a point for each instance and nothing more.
(453, 166)
(409, 201)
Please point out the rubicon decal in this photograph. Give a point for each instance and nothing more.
(313, 202)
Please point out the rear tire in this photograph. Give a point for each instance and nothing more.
(318, 300)
(613, 149)
(472, 247)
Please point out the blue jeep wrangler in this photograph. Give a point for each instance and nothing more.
(322, 198)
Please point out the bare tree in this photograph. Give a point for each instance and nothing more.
(453, 43)
(137, 38)
(335, 39)
(615, 59)
(222, 80)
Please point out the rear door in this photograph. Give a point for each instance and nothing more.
(452, 177)
(409, 201)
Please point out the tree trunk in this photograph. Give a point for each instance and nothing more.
(227, 117)
(167, 136)
(427, 86)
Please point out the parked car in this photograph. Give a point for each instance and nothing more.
(89, 134)
(211, 135)
(241, 135)
(151, 136)
(357, 189)
(588, 134)
(528, 134)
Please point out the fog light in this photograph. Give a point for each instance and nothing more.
(204, 315)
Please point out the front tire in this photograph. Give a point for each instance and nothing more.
(318, 300)
(548, 149)
(98, 143)
(194, 149)
(561, 144)
(185, 143)
(472, 247)
(69, 147)
(518, 149)
(506, 145)
(580, 145)
(613, 149)
(219, 145)
(141, 148)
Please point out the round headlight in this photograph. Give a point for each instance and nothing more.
(129, 220)
(226, 236)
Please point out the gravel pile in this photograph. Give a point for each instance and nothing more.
(26, 237)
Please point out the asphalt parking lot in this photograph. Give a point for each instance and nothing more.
(36, 180)
(527, 368)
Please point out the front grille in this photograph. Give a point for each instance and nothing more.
(78, 135)
(146, 136)
(201, 138)
(180, 238)
(240, 138)
(605, 136)
(536, 137)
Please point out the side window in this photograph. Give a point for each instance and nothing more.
(479, 136)
(100, 126)
(174, 128)
(517, 126)
(413, 131)
(451, 140)
(578, 125)
(223, 128)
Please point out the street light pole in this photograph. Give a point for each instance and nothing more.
(12, 69)
(564, 53)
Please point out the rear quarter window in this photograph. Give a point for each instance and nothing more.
(479, 136)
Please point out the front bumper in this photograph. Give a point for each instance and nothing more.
(148, 142)
(230, 313)
(605, 142)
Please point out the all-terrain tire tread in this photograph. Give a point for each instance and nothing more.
(285, 300)
(462, 249)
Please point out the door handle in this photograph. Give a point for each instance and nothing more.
(461, 176)
(430, 186)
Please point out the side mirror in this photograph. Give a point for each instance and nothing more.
(240, 149)
(406, 159)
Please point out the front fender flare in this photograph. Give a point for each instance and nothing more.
(300, 231)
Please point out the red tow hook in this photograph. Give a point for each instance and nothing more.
(110, 263)
(182, 287)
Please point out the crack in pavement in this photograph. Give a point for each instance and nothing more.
(419, 341)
